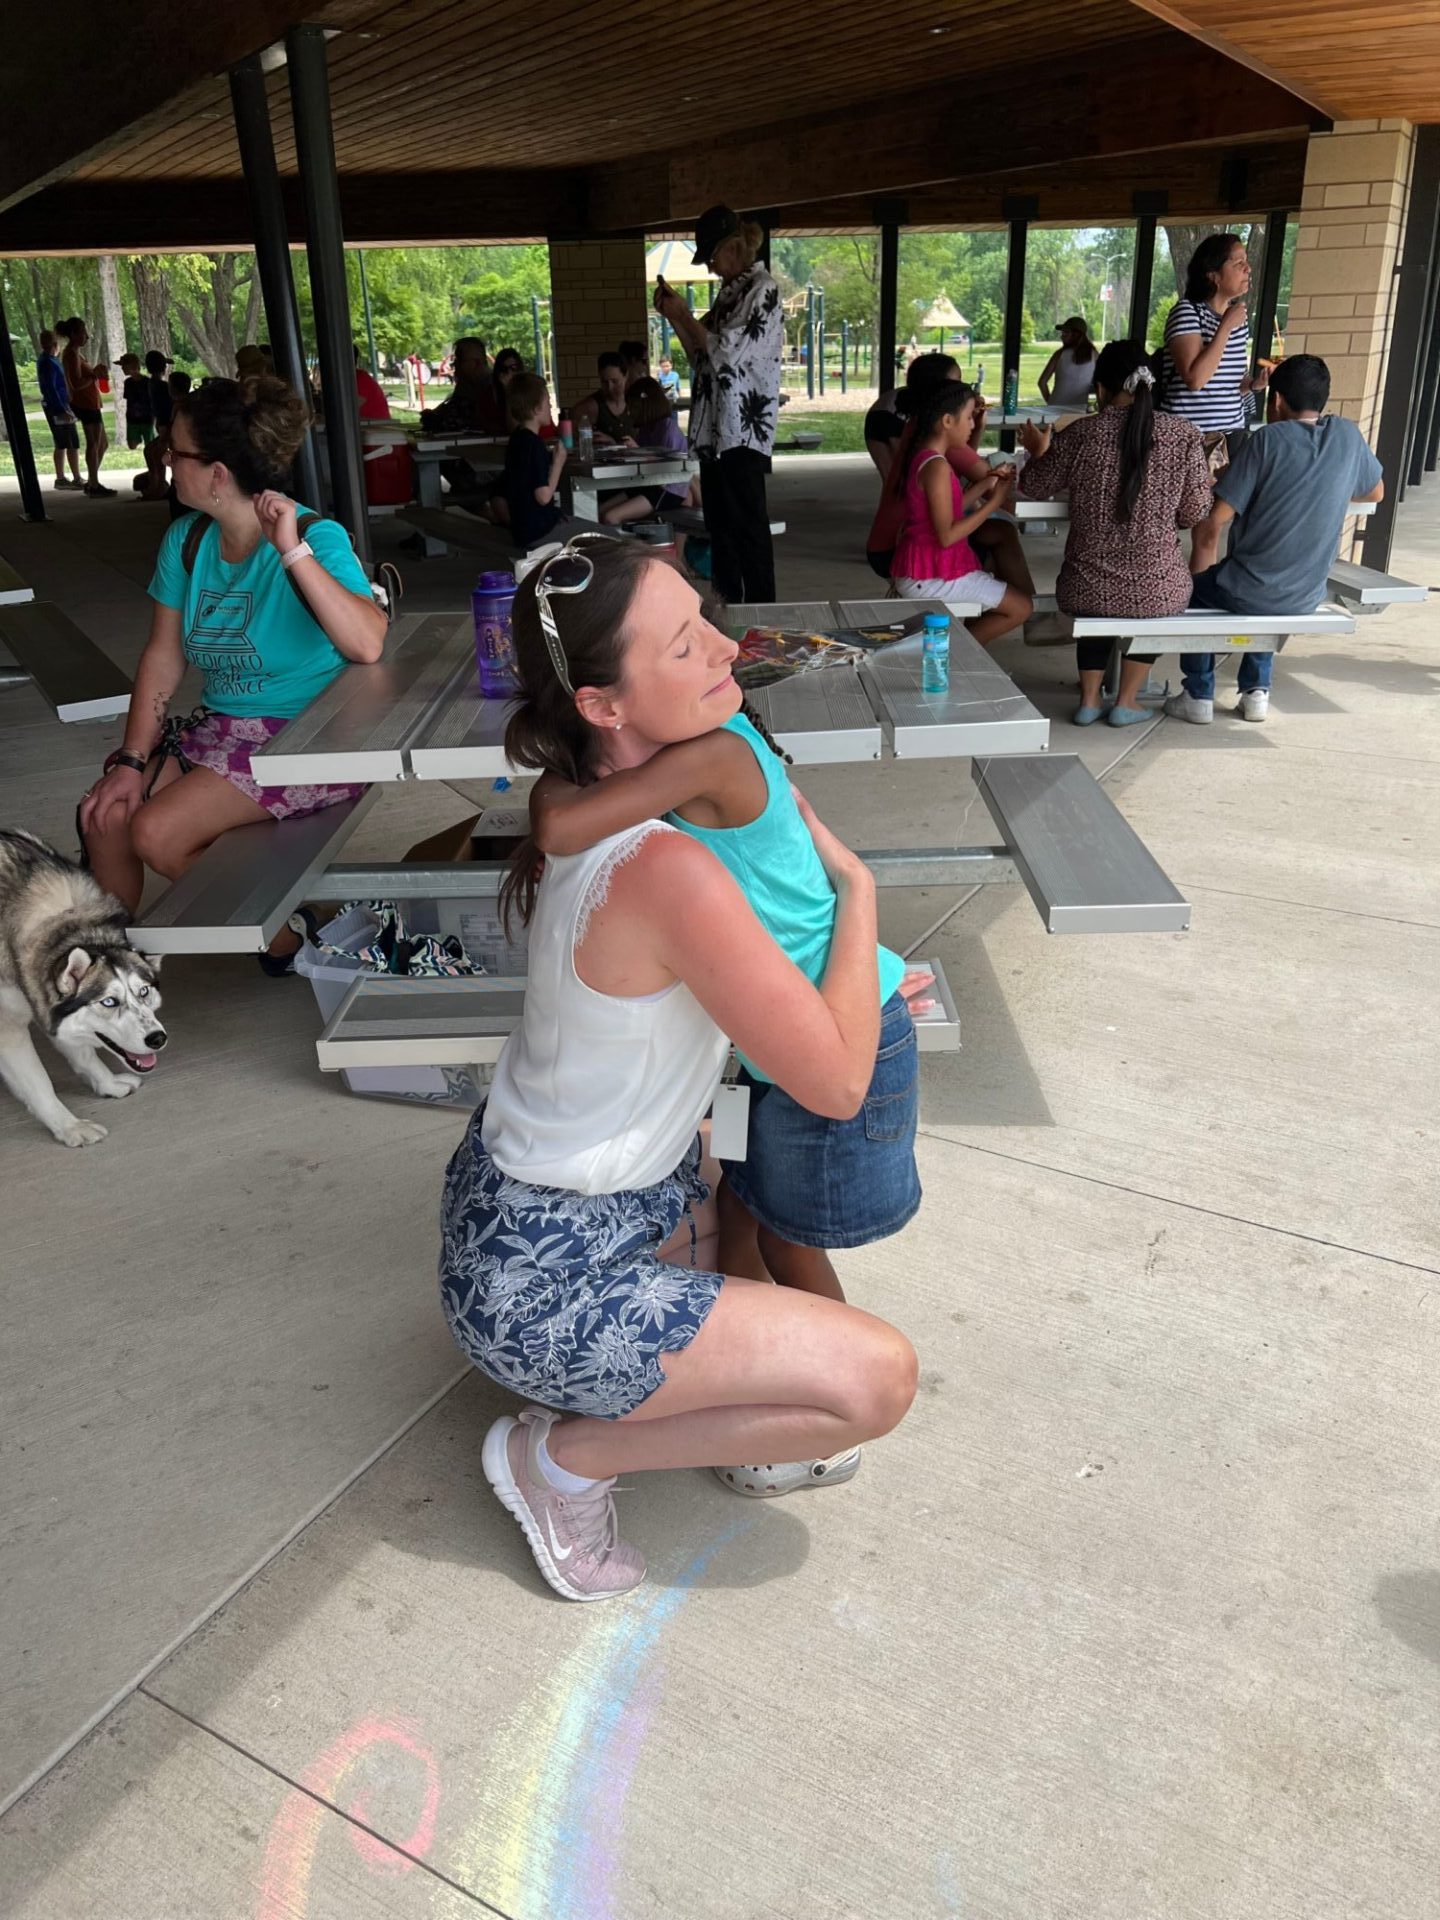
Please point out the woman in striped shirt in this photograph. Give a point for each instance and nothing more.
(1207, 341)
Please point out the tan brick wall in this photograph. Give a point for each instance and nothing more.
(599, 297)
(1352, 223)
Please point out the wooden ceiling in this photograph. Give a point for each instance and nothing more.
(1353, 59)
(437, 84)
(452, 122)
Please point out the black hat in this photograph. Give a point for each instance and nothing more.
(156, 362)
(715, 224)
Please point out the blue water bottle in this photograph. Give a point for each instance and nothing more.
(935, 659)
(491, 602)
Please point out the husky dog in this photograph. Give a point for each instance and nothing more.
(65, 964)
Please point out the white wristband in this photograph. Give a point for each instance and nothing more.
(303, 552)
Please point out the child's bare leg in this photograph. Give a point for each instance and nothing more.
(739, 1251)
(806, 1268)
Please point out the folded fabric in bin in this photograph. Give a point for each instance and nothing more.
(391, 948)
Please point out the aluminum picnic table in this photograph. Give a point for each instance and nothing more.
(418, 714)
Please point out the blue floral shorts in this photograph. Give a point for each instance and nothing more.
(561, 1296)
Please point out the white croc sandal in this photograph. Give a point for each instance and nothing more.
(790, 1476)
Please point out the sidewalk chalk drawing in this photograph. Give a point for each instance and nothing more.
(560, 1770)
(331, 1783)
(549, 1841)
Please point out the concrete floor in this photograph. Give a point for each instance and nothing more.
(1137, 1615)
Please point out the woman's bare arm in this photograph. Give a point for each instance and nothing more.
(161, 668)
(673, 911)
(1196, 361)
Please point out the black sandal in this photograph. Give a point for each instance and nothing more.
(277, 965)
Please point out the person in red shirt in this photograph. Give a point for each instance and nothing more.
(374, 401)
(389, 477)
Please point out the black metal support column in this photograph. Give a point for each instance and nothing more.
(1427, 408)
(889, 217)
(272, 253)
(1430, 450)
(1142, 276)
(1019, 210)
(1407, 340)
(325, 247)
(17, 427)
(1262, 320)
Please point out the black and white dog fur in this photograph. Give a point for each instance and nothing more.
(66, 966)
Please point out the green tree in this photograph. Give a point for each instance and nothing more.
(497, 301)
(989, 321)
(216, 297)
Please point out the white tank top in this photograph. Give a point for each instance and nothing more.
(1071, 385)
(596, 1093)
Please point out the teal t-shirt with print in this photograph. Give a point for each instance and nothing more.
(246, 628)
(781, 875)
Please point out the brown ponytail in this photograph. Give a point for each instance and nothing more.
(547, 731)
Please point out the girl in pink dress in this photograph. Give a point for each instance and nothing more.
(933, 557)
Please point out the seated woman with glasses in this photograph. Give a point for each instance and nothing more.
(269, 601)
(578, 1264)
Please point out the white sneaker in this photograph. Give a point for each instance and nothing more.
(1199, 713)
(791, 1476)
(1255, 704)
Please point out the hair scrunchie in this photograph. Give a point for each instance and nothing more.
(1141, 377)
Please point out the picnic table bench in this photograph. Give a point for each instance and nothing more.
(48, 650)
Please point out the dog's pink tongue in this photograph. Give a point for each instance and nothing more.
(145, 1061)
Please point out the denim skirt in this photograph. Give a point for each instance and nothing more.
(837, 1183)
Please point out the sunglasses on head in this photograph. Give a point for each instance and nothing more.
(568, 572)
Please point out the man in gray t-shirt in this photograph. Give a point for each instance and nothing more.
(1288, 492)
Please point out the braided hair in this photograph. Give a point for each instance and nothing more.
(713, 609)
(765, 734)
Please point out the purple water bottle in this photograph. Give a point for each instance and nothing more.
(491, 602)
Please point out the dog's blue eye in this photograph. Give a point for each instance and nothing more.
(142, 993)
(109, 1001)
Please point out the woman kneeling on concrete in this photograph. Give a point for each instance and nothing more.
(578, 1264)
(268, 616)
(1134, 477)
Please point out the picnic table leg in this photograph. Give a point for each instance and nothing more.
(427, 485)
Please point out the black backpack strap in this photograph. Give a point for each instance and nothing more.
(190, 545)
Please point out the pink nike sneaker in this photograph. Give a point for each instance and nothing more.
(574, 1537)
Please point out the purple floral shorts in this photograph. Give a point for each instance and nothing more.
(223, 742)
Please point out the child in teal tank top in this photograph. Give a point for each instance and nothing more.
(807, 1184)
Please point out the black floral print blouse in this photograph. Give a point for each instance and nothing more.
(736, 397)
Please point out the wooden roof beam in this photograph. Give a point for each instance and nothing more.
(188, 216)
(1158, 92)
(1201, 183)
